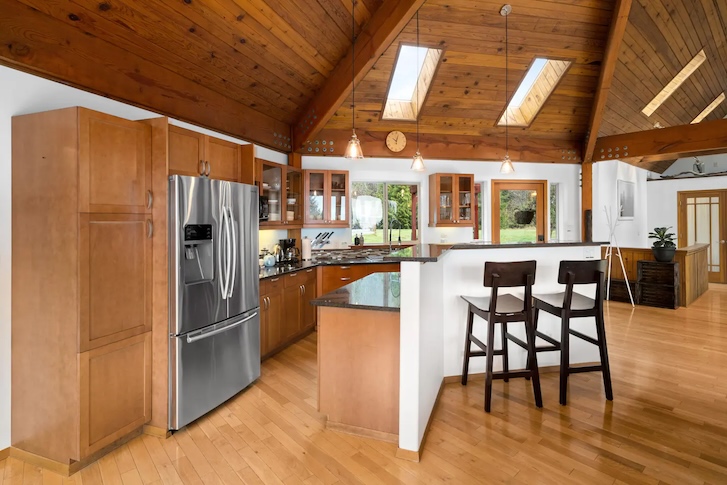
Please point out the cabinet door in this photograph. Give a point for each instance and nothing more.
(308, 311)
(275, 314)
(263, 323)
(444, 203)
(224, 158)
(271, 186)
(465, 198)
(114, 169)
(186, 152)
(294, 197)
(338, 200)
(115, 277)
(115, 391)
(292, 296)
(316, 206)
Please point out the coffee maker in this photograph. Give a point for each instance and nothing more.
(290, 253)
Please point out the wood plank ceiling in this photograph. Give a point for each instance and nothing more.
(243, 68)
(460, 114)
(662, 36)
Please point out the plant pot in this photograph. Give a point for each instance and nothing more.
(663, 255)
(524, 217)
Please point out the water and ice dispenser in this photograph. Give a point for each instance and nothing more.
(199, 254)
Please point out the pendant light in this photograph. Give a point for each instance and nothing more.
(506, 166)
(417, 163)
(353, 150)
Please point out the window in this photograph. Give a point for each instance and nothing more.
(553, 212)
(539, 82)
(674, 84)
(414, 66)
(377, 206)
(705, 112)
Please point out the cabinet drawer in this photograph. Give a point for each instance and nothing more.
(115, 391)
(271, 285)
(294, 279)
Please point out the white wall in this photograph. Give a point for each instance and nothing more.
(397, 170)
(662, 198)
(629, 233)
(712, 163)
(22, 93)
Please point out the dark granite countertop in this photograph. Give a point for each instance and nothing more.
(378, 291)
(270, 271)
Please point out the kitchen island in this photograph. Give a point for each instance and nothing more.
(358, 357)
(432, 319)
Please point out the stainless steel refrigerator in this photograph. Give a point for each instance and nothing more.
(214, 322)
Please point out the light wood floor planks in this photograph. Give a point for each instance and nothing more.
(668, 423)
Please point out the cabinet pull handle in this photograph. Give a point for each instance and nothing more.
(300, 290)
(345, 267)
(293, 274)
(304, 289)
(209, 169)
(274, 280)
(149, 199)
(345, 279)
(311, 270)
(149, 228)
(201, 167)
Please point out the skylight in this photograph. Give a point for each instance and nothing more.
(414, 66)
(705, 112)
(674, 84)
(538, 84)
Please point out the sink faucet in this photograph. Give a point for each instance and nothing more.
(391, 222)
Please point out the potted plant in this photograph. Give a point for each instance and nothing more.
(664, 246)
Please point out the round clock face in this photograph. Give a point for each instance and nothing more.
(396, 141)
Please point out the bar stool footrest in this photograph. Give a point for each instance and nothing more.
(516, 340)
(589, 368)
(480, 344)
(549, 339)
(585, 337)
(511, 374)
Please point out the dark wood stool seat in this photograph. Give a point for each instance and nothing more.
(503, 309)
(570, 304)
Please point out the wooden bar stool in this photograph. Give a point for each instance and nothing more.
(570, 304)
(503, 309)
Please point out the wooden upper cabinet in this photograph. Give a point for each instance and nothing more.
(451, 200)
(283, 187)
(224, 159)
(196, 154)
(186, 152)
(327, 201)
(114, 164)
(115, 278)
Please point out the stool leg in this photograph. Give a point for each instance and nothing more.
(468, 331)
(605, 368)
(490, 358)
(564, 356)
(533, 362)
(505, 366)
(536, 314)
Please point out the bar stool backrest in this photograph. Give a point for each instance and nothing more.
(584, 272)
(510, 274)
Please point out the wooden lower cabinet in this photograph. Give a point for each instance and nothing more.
(333, 277)
(115, 391)
(285, 309)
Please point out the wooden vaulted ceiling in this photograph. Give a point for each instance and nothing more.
(278, 72)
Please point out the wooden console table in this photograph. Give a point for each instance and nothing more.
(693, 270)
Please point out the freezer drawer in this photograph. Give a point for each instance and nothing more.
(211, 365)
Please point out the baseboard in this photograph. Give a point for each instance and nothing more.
(4, 453)
(547, 369)
(415, 456)
(365, 432)
(68, 469)
(156, 431)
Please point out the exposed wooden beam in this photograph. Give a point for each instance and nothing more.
(608, 66)
(375, 37)
(705, 138)
(450, 147)
(34, 42)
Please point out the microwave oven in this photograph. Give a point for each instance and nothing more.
(263, 212)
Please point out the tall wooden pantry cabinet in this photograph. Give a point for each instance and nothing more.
(82, 231)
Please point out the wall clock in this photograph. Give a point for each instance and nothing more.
(395, 141)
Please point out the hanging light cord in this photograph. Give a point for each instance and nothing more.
(353, 65)
(507, 135)
(417, 85)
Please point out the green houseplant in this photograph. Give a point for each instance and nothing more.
(664, 246)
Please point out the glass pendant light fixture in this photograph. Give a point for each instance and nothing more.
(506, 166)
(417, 164)
(353, 150)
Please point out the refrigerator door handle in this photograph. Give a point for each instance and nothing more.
(200, 335)
(234, 249)
(221, 259)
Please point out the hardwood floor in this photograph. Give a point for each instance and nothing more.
(667, 424)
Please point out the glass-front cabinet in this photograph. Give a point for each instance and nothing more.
(282, 187)
(326, 198)
(450, 199)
